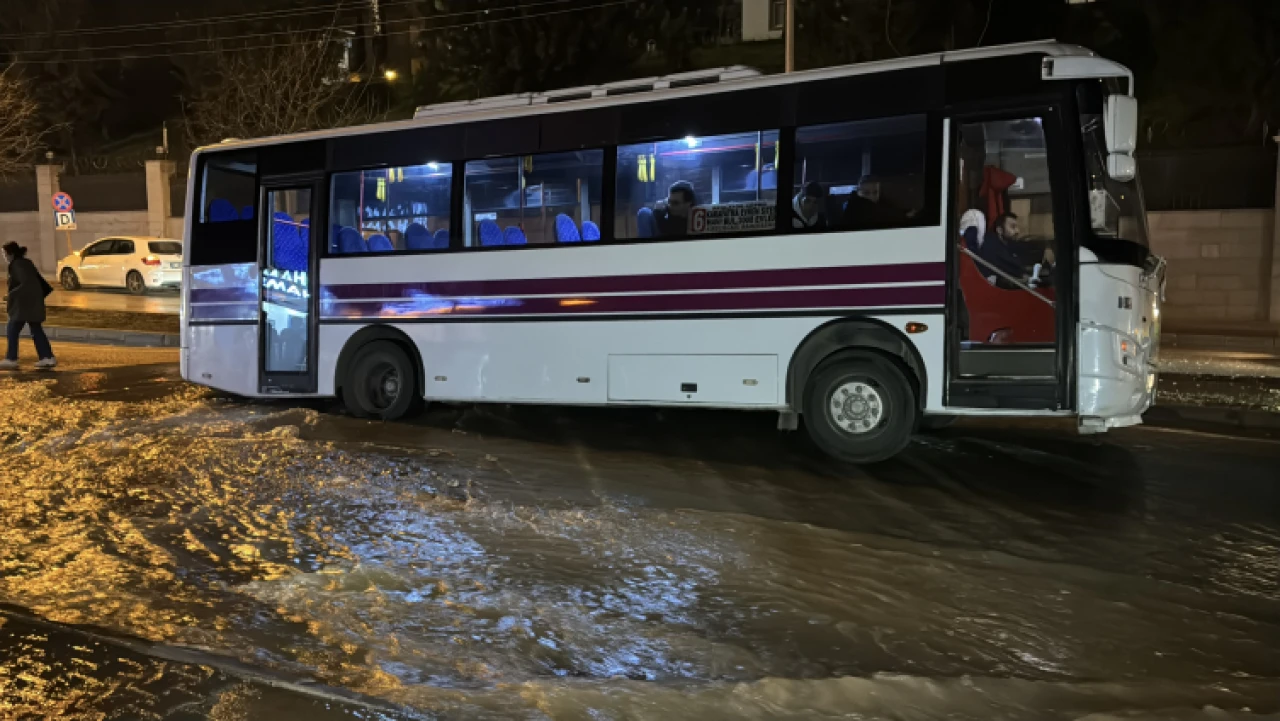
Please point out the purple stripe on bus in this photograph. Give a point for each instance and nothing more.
(239, 311)
(719, 280)
(224, 295)
(841, 298)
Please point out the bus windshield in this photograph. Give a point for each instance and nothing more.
(1116, 209)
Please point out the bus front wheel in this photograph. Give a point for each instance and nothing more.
(860, 408)
(382, 382)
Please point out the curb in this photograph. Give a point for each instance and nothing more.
(1198, 341)
(131, 338)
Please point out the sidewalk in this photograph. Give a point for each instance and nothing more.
(1205, 389)
(111, 327)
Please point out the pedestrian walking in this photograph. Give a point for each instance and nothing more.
(25, 305)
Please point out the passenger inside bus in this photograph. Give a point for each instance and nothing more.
(973, 227)
(1000, 251)
(807, 208)
(1004, 196)
(697, 185)
(872, 171)
(867, 208)
(672, 215)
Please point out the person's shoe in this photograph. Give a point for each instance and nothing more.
(8, 365)
(49, 362)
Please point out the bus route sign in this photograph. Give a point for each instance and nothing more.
(732, 217)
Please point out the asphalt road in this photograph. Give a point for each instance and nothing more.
(190, 556)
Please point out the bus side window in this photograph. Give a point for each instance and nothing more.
(534, 199)
(224, 230)
(695, 186)
(390, 209)
(861, 175)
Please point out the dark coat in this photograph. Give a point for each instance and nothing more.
(27, 289)
(998, 253)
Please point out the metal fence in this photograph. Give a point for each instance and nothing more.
(107, 191)
(1210, 178)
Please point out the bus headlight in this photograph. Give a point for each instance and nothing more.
(1129, 355)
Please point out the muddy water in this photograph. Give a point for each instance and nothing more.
(580, 565)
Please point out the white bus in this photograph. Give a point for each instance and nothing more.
(871, 248)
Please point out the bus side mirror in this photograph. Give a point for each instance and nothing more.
(1120, 118)
(1120, 124)
(1122, 167)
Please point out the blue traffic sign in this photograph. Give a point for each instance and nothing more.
(62, 202)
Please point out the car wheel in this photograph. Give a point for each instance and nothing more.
(860, 409)
(69, 279)
(134, 282)
(382, 382)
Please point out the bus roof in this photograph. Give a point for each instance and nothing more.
(651, 89)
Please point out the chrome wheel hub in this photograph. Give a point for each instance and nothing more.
(857, 407)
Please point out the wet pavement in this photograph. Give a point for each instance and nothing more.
(1225, 364)
(185, 556)
(104, 299)
(1241, 380)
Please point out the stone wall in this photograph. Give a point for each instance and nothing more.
(95, 217)
(23, 229)
(1219, 264)
(174, 227)
(92, 226)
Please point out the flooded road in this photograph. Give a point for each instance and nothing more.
(192, 556)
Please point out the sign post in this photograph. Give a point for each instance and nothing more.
(64, 218)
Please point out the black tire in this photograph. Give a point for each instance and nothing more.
(381, 382)
(69, 279)
(134, 283)
(875, 417)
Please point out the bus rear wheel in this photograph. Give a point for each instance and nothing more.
(381, 383)
(860, 409)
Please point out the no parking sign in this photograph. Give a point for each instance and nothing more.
(64, 218)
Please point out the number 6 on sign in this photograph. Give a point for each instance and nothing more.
(698, 221)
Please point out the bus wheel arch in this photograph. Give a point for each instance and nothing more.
(368, 337)
(847, 337)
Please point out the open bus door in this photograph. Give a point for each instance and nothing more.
(290, 230)
(1010, 338)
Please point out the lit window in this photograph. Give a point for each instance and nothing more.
(391, 209)
(533, 199)
(697, 185)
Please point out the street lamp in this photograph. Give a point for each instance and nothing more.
(390, 75)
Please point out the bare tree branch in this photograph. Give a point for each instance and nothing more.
(277, 91)
(21, 137)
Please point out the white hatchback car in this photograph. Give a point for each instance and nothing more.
(137, 264)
